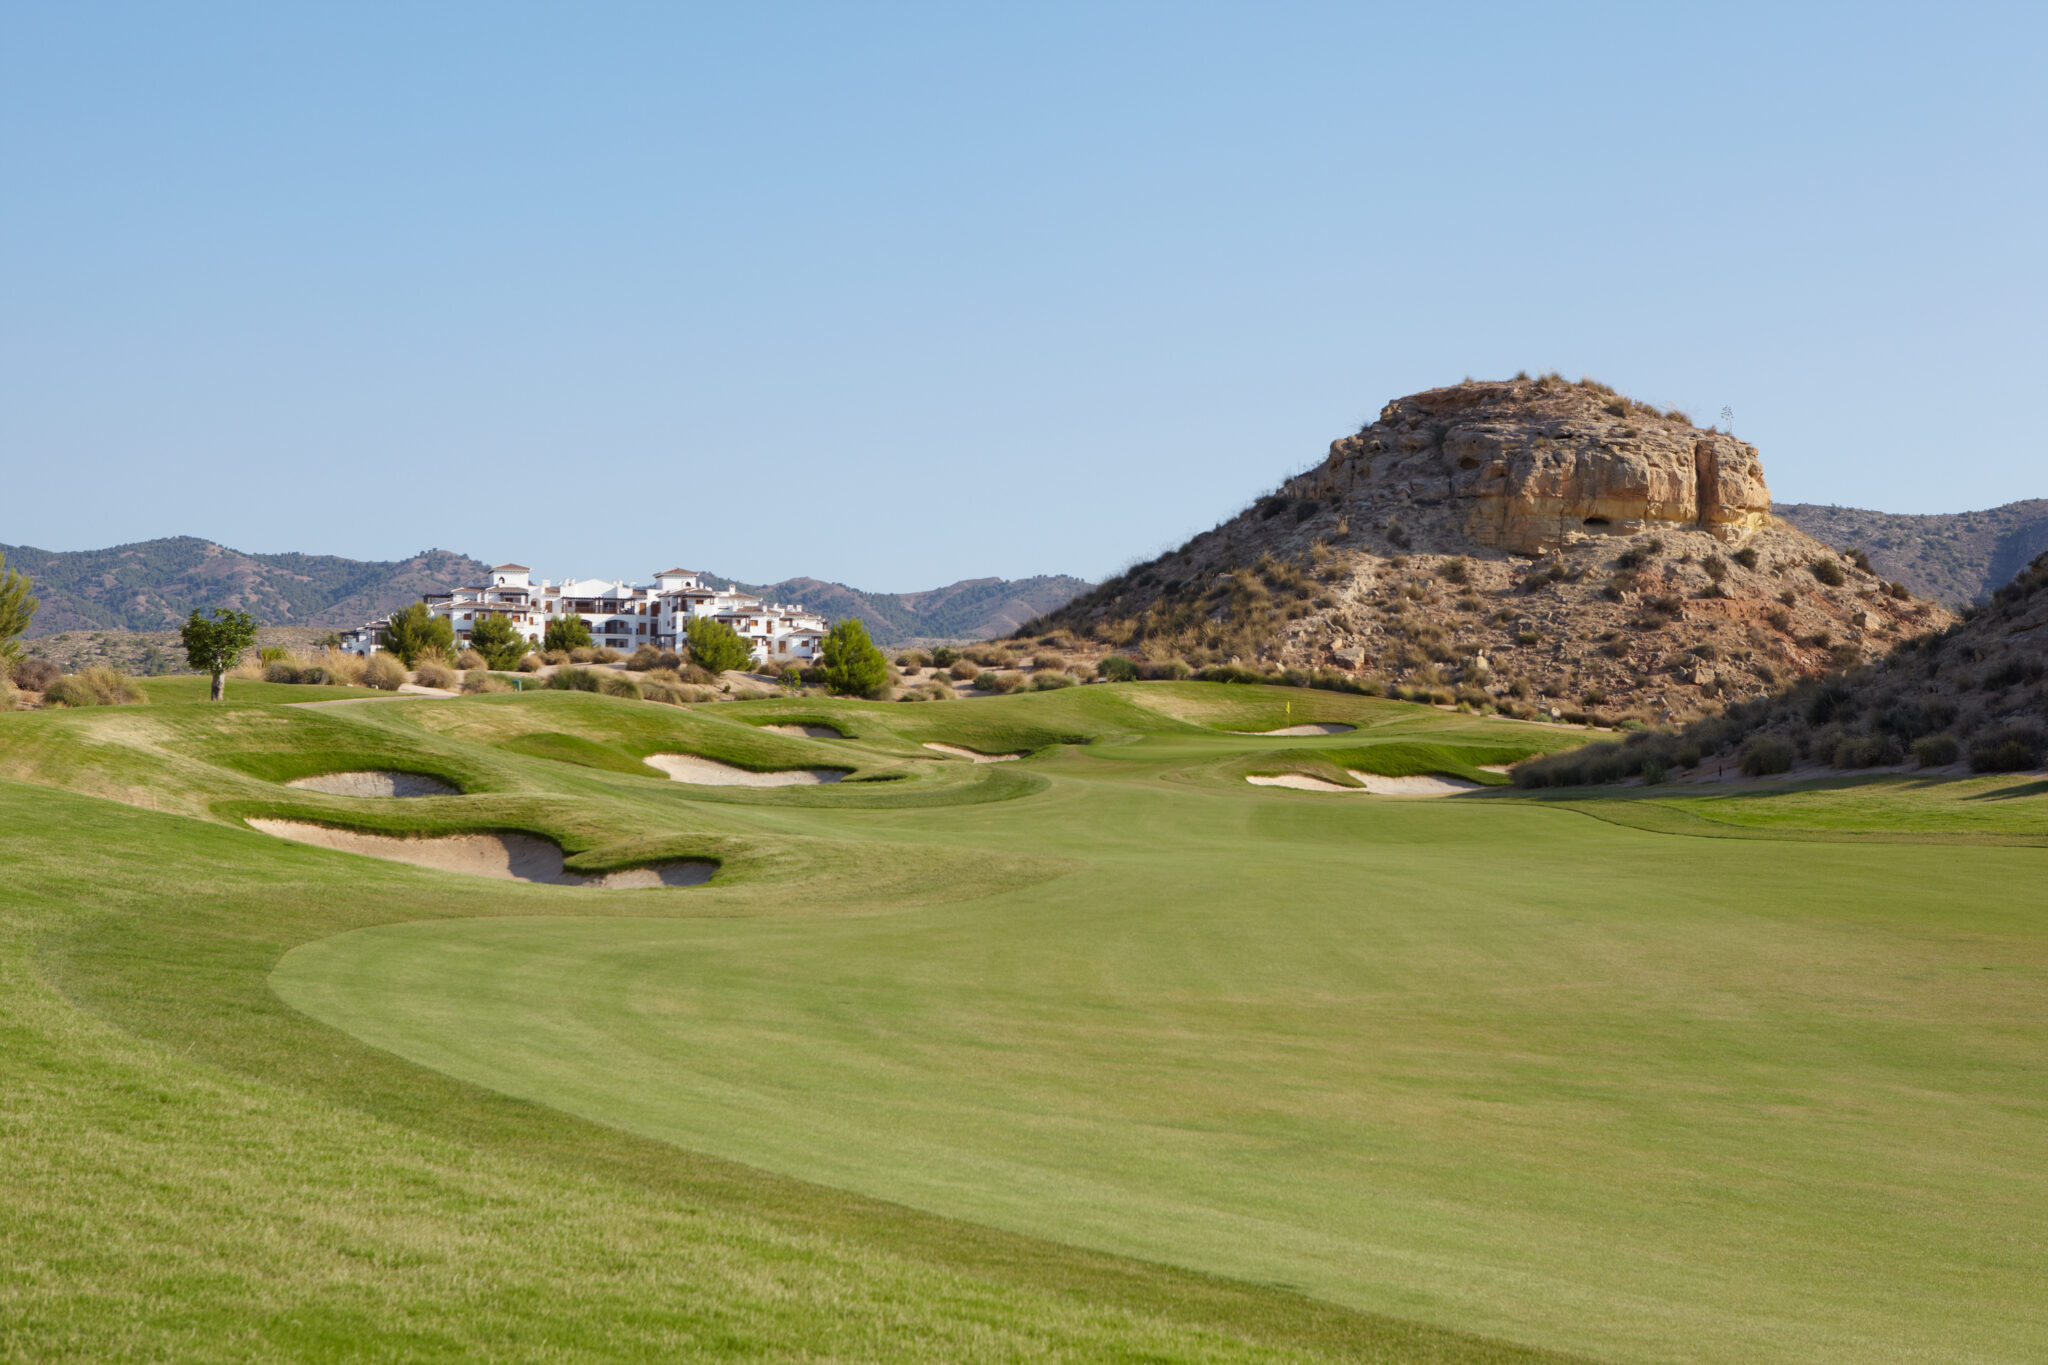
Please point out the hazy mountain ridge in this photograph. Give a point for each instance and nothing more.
(1953, 557)
(973, 608)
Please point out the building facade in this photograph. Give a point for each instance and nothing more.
(621, 615)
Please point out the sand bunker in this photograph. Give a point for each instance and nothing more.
(508, 857)
(1425, 785)
(1502, 768)
(375, 783)
(805, 731)
(958, 752)
(1300, 782)
(1328, 727)
(709, 772)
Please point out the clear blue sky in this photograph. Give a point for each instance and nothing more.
(902, 294)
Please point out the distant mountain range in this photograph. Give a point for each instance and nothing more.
(1954, 557)
(155, 584)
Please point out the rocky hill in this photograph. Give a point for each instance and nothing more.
(972, 609)
(156, 584)
(1533, 544)
(1954, 557)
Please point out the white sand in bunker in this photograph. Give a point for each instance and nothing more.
(1374, 784)
(709, 772)
(972, 755)
(375, 782)
(508, 857)
(805, 731)
(1328, 727)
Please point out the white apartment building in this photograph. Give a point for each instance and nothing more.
(621, 615)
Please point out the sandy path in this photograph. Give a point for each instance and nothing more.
(375, 783)
(805, 731)
(507, 857)
(1330, 727)
(709, 772)
(970, 754)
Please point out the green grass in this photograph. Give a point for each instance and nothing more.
(1103, 1055)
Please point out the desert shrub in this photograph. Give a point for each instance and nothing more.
(945, 656)
(1781, 620)
(1828, 571)
(574, 680)
(557, 656)
(1936, 751)
(1653, 772)
(583, 654)
(1051, 681)
(1746, 557)
(1230, 673)
(913, 658)
(1766, 755)
(1686, 755)
(2010, 748)
(383, 671)
(36, 675)
(1867, 751)
(1860, 560)
(602, 655)
(69, 691)
(998, 680)
(964, 669)
(480, 681)
(280, 671)
(644, 658)
(1716, 567)
(430, 674)
(10, 695)
(1165, 670)
(340, 666)
(469, 659)
(668, 694)
(1457, 570)
(273, 654)
(529, 663)
(990, 656)
(617, 685)
(1049, 661)
(1116, 668)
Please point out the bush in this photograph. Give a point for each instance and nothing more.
(529, 663)
(69, 692)
(644, 658)
(556, 656)
(601, 655)
(1050, 682)
(1828, 571)
(430, 674)
(964, 670)
(1767, 755)
(1052, 662)
(2009, 749)
(565, 633)
(9, 695)
(414, 630)
(573, 680)
(994, 680)
(1165, 670)
(1936, 751)
(273, 654)
(1653, 772)
(469, 659)
(715, 646)
(384, 671)
(36, 675)
(945, 656)
(1117, 668)
(480, 681)
(1746, 557)
(613, 685)
(853, 666)
(280, 671)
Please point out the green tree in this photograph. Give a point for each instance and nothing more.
(493, 637)
(416, 630)
(17, 608)
(716, 646)
(565, 632)
(216, 646)
(853, 666)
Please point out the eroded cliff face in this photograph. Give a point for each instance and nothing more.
(1531, 466)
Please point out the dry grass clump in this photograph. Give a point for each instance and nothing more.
(529, 663)
(1003, 680)
(469, 659)
(10, 695)
(384, 671)
(613, 685)
(582, 654)
(35, 675)
(95, 686)
(965, 670)
(479, 681)
(435, 674)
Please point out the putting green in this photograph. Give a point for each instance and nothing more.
(1479, 1062)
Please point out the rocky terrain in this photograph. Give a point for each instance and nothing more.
(1954, 557)
(1532, 544)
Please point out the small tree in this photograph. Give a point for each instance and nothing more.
(17, 608)
(216, 646)
(415, 630)
(853, 666)
(716, 646)
(565, 633)
(493, 637)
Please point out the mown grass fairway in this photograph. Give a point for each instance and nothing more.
(1524, 1071)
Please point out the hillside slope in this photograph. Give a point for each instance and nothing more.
(1533, 544)
(972, 609)
(155, 584)
(1953, 557)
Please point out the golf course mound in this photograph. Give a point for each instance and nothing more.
(1329, 727)
(376, 782)
(507, 857)
(972, 755)
(807, 731)
(709, 772)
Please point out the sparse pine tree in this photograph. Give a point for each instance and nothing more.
(17, 608)
(565, 633)
(853, 666)
(415, 630)
(493, 637)
(716, 646)
(217, 645)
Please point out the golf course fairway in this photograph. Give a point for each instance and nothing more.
(1516, 1070)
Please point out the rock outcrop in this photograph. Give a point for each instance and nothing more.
(1530, 465)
